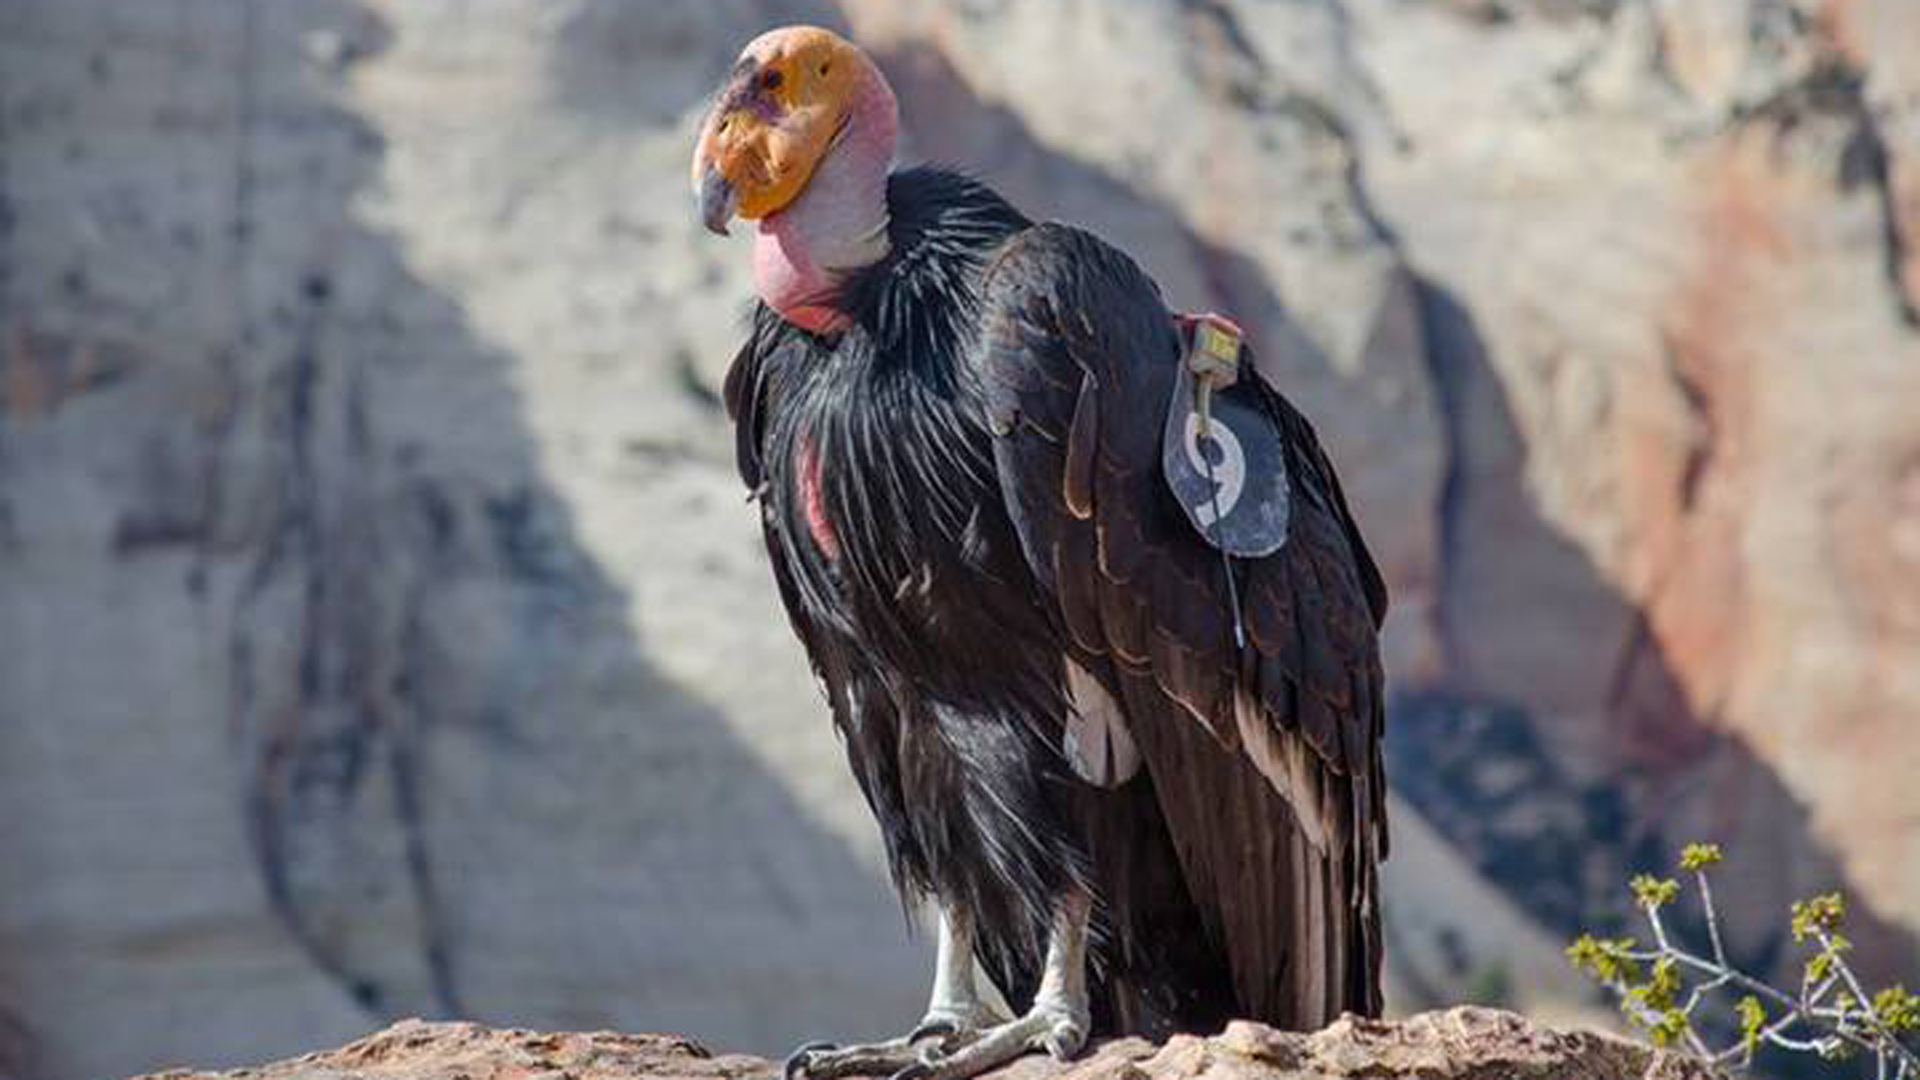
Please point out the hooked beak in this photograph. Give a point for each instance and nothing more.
(717, 201)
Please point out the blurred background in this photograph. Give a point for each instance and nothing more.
(383, 630)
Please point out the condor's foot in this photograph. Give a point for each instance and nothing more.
(941, 1032)
(825, 1060)
(954, 1014)
(1057, 1023)
(1057, 1026)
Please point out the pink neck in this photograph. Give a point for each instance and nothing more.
(839, 221)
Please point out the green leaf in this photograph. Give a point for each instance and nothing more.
(1652, 893)
(1669, 1029)
(1699, 856)
(1818, 965)
(1753, 1018)
(1822, 913)
(1898, 1010)
(1662, 984)
(1605, 959)
(1584, 950)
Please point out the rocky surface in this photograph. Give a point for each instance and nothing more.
(382, 632)
(1459, 1044)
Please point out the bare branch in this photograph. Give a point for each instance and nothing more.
(1713, 917)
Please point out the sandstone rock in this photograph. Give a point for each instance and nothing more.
(1459, 1044)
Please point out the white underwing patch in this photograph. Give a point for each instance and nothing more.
(1096, 739)
(1287, 762)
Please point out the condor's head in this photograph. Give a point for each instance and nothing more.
(800, 140)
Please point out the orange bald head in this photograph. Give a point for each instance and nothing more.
(777, 116)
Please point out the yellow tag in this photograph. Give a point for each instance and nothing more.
(1216, 340)
(1216, 351)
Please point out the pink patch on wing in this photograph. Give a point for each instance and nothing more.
(807, 469)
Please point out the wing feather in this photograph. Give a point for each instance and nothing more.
(1078, 358)
(1083, 438)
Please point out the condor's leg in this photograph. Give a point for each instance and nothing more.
(1057, 1022)
(954, 1011)
(955, 1007)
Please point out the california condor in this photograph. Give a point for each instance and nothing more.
(1130, 756)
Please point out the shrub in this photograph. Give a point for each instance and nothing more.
(1661, 986)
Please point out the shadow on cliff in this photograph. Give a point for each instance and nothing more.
(1554, 799)
(468, 790)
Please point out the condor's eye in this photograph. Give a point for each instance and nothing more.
(770, 81)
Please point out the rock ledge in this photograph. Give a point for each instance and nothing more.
(1464, 1043)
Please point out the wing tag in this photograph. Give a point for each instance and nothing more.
(1220, 451)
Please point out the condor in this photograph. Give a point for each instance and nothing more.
(1133, 766)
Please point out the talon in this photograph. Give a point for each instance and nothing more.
(1063, 1043)
(946, 1029)
(796, 1066)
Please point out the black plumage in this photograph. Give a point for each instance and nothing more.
(960, 491)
